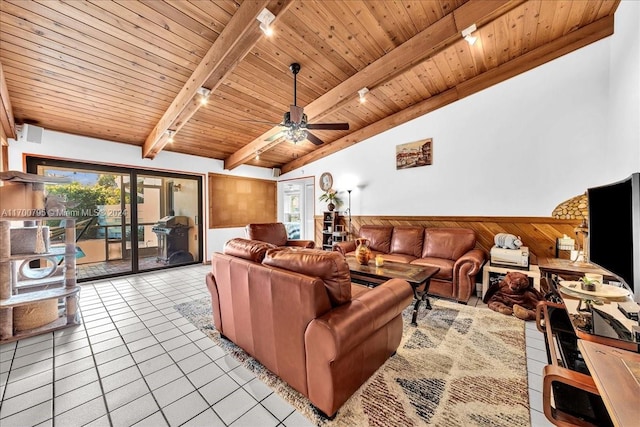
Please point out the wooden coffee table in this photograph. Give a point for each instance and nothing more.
(417, 276)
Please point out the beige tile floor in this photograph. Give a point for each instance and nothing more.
(136, 361)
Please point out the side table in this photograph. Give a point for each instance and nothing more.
(491, 271)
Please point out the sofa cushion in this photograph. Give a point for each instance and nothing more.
(253, 250)
(405, 259)
(330, 267)
(445, 265)
(407, 241)
(379, 237)
(447, 243)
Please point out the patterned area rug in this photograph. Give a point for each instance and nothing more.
(462, 366)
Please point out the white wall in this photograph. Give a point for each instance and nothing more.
(624, 129)
(61, 145)
(516, 149)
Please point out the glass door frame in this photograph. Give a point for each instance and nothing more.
(306, 204)
(33, 162)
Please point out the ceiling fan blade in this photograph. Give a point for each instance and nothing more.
(276, 136)
(328, 126)
(314, 139)
(296, 114)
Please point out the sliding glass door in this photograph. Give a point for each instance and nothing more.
(126, 221)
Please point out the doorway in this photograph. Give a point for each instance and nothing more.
(296, 207)
(119, 215)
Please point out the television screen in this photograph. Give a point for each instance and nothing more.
(614, 230)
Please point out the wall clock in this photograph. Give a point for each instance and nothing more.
(326, 181)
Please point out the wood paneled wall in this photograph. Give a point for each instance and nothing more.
(538, 233)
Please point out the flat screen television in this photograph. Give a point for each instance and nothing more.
(614, 230)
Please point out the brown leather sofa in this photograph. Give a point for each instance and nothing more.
(276, 234)
(297, 313)
(450, 249)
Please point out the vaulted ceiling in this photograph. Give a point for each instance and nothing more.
(128, 71)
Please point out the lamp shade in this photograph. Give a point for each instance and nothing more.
(575, 208)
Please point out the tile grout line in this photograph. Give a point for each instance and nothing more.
(4, 390)
(104, 395)
(93, 357)
(159, 343)
(197, 389)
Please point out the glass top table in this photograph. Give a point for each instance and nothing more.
(595, 315)
(418, 277)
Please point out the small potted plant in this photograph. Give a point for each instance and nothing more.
(588, 284)
(331, 196)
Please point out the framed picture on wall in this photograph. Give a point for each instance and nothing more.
(414, 154)
(326, 181)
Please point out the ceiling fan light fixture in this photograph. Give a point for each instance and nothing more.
(266, 18)
(362, 94)
(204, 95)
(295, 134)
(466, 34)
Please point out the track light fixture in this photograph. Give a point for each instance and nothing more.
(266, 18)
(466, 34)
(204, 95)
(170, 133)
(258, 155)
(362, 93)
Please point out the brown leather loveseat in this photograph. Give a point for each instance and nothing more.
(297, 313)
(276, 234)
(450, 249)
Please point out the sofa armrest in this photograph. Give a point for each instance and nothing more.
(348, 325)
(475, 258)
(345, 247)
(464, 270)
(309, 244)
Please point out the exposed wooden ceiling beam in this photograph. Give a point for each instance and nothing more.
(422, 46)
(235, 41)
(6, 112)
(566, 44)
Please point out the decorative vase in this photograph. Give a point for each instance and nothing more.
(363, 252)
(331, 207)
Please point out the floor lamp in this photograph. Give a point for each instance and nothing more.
(349, 209)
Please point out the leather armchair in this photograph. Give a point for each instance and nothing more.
(276, 234)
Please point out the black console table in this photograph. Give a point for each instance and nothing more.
(568, 380)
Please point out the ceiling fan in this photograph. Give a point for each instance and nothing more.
(295, 121)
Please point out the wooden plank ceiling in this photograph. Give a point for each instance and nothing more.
(129, 70)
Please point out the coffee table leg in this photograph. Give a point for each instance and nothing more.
(420, 296)
(414, 317)
(427, 302)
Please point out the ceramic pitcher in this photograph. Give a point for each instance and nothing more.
(363, 252)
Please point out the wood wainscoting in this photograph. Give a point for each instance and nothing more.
(538, 233)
